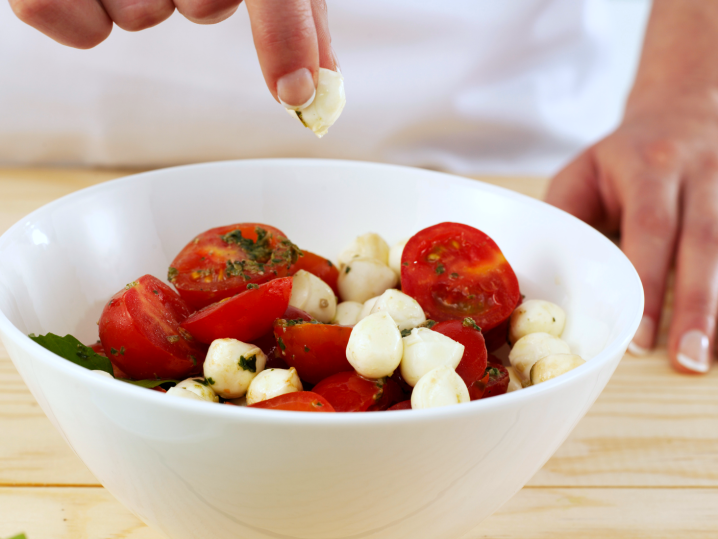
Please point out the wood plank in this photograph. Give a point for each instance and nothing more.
(90, 513)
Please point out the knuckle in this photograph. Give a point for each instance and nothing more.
(708, 164)
(695, 304)
(285, 37)
(703, 231)
(661, 154)
(654, 220)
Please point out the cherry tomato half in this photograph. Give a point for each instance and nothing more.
(473, 363)
(403, 405)
(221, 262)
(316, 350)
(245, 317)
(319, 266)
(116, 371)
(499, 336)
(455, 271)
(350, 392)
(140, 327)
(299, 401)
(498, 379)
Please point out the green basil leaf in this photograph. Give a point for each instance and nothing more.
(149, 384)
(73, 350)
(19, 536)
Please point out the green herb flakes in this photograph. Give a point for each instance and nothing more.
(248, 364)
(131, 285)
(470, 323)
(440, 269)
(348, 269)
(281, 344)
(113, 351)
(172, 274)
(210, 380)
(454, 275)
(252, 286)
(306, 348)
(173, 338)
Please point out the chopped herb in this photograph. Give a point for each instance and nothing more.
(122, 350)
(493, 372)
(210, 381)
(329, 263)
(454, 275)
(470, 323)
(248, 364)
(405, 332)
(200, 381)
(155, 292)
(554, 318)
(172, 274)
(299, 115)
(404, 263)
(185, 334)
(195, 241)
(429, 324)
(259, 250)
(440, 269)
(306, 348)
(173, 338)
(113, 351)
(203, 259)
(111, 302)
(347, 270)
(131, 285)
(193, 359)
(252, 286)
(317, 404)
(281, 344)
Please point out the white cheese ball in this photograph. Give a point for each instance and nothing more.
(368, 245)
(102, 373)
(425, 350)
(536, 316)
(529, 349)
(231, 365)
(347, 313)
(327, 105)
(514, 380)
(375, 348)
(272, 383)
(367, 307)
(395, 255)
(196, 386)
(554, 365)
(314, 296)
(185, 394)
(439, 387)
(365, 278)
(405, 310)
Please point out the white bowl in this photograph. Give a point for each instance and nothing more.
(194, 469)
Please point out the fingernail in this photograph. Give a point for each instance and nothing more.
(641, 343)
(693, 351)
(296, 89)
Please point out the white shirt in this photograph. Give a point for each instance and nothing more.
(472, 86)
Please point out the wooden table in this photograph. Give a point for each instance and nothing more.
(642, 463)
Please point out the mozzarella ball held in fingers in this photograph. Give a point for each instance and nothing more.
(231, 365)
(313, 296)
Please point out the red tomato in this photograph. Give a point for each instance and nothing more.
(299, 401)
(319, 266)
(455, 271)
(245, 317)
(498, 379)
(403, 405)
(116, 371)
(140, 327)
(292, 313)
(499, 336)
(350, 392)
(268, 342)
(221, 262)
(315, 350)
(473, 363)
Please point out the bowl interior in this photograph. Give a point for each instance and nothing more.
(60, 264)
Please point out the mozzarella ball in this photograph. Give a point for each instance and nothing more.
(102, 373)
(514, 380)
(368, 245)
(327, 105)
(231, 365)
(439, 387)
(272, 383)
(405, 310)
(554, 365)
(367, 307)
(536, 316)
(347, 313)
(186, 394)
(395, 255)
(425, 350)
(314, 296)
(375, 348)
(365, 278)
(529, 349)
(196, 386)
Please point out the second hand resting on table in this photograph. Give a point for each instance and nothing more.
(655, 178)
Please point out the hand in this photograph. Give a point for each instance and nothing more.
(656, 180)
(291, 36)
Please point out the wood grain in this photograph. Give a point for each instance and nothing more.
(642, 463)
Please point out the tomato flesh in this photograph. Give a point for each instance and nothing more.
(221, 262)
(473, 363)
(498, 379)
(350, 392)
(455, 271)
(316, 350)
(499, 336)
(140, 328)
(299, 401)
(403, 405)
(245, 317)
(319, 266)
